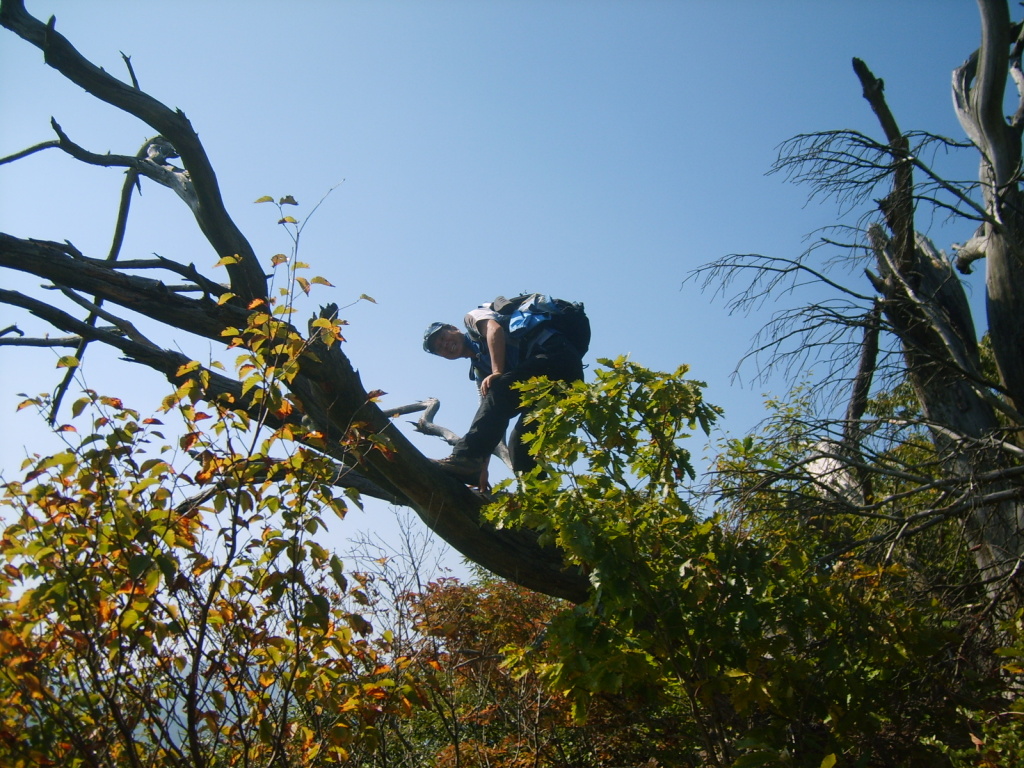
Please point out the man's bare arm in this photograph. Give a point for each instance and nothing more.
(494, 336)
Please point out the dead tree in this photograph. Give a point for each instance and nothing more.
(919, 304)
(328, 388)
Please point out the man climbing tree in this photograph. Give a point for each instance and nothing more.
(508, 341)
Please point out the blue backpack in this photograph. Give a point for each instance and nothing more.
(531, 313)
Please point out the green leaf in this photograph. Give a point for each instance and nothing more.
(138, 565)
(79, 405)
(337, 573)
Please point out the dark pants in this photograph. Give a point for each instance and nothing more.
(557, 359)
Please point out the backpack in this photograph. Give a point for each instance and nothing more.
(530, 312)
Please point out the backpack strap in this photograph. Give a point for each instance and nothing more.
(504, 306)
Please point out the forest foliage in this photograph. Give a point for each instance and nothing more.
(171, 603)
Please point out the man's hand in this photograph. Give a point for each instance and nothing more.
(486, 383)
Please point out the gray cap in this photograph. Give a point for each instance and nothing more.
(432, 330)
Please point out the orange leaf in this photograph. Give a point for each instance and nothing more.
(189, 440)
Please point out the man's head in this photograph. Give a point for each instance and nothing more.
(447, 341)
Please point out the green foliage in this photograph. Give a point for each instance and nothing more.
(997, 732)
(772, 653)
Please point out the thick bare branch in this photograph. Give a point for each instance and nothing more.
(30, 151)
(331, 393)
(247, 278)
(54, 341)
(425, 425)
(1000, 148)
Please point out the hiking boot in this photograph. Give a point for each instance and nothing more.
(465, 470)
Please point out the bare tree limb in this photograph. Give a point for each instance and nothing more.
(248, 280)
(30, 151)
(328, 388)
(56, 341)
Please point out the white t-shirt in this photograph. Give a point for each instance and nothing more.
(474, 316)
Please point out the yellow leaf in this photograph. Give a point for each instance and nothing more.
(31, 682)
(187, 368)
(287, 200)
(278, 258)
(67, 361)
(287, 220)
(264, 199)
(829, 761)
(367, 298)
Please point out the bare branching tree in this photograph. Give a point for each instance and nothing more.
(327, 388)
(911, 321)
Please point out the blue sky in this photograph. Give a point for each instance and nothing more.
(597, 151)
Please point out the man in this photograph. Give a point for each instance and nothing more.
(498, 362)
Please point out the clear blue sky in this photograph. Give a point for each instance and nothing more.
(596, 151)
